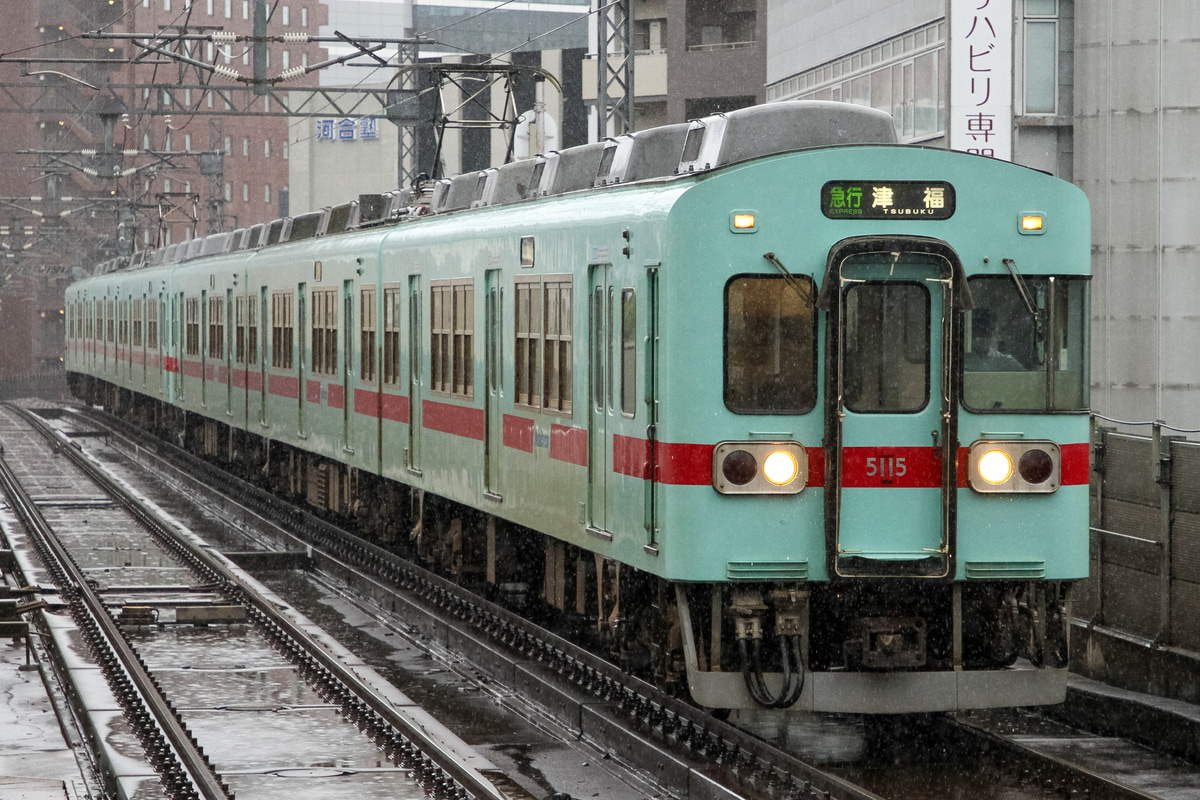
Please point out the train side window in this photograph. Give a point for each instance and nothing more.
(367, 333)
(392, 300)
(558, 344)
(152, 323)
(887, 347)
(527, 341)
(324, 331)
(451, 337)
(282, 329)
(628, 353)
(770, 345)
(191, 333)
(216, 327)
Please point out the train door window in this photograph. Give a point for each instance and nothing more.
(1024, 344)
(191, 331)
(251, 331)
(628, 353)
(216, 327)
(324, 331)
(152, 323)
(527, 341)
(770, 337)
(239, 330)
(138, 311)
(392, 300)
(367, 332)
(110, 315)
(558, 344)
(886, 362)
(282, 329)
(122, 322)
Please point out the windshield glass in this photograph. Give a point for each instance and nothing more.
(1017, 360)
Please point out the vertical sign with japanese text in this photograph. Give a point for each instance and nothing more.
(981, 68)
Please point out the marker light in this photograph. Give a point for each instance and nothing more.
(743, 221)
(1032, 223)
(781, 467)
(995, 467)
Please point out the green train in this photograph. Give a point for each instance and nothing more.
(772, 409)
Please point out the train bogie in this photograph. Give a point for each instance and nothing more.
(813, 413)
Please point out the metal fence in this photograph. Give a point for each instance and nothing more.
(1145, 537)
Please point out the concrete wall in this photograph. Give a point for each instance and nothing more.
(805, 33)
(1137, 119)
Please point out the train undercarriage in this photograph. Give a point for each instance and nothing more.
(866, 646)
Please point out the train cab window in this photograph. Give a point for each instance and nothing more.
(770, 337)
(886, 362)
(1024, 344)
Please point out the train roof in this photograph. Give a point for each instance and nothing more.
(660, 153)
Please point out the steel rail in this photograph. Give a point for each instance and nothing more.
(667, 719)
(281, 626)
(204, 781)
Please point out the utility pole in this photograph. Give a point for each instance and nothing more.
(614, 68)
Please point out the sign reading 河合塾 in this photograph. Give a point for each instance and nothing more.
(347, 130)
(981, 64)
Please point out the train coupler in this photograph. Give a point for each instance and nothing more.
(886, 643)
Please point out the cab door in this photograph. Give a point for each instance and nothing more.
(893, 472)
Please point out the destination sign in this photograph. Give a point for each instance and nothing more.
(887, 200)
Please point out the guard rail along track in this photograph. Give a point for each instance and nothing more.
(439, 770)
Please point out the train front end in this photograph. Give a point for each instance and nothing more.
(896, 502)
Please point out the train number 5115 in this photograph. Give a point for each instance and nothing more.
(886, 467)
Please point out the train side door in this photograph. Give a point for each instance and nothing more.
(893, 474)
(412, 457)
(600, 394)
(494, 358)
(302, 339)
(347, 356)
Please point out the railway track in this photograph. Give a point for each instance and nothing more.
(681, 745)
(422, 758)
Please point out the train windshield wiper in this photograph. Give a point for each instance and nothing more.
(1022, 289)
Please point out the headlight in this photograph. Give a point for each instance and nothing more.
(995, 467)
(759, 467)
(1020, 466)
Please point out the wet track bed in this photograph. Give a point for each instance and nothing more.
(267, 718)
(997, 755)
